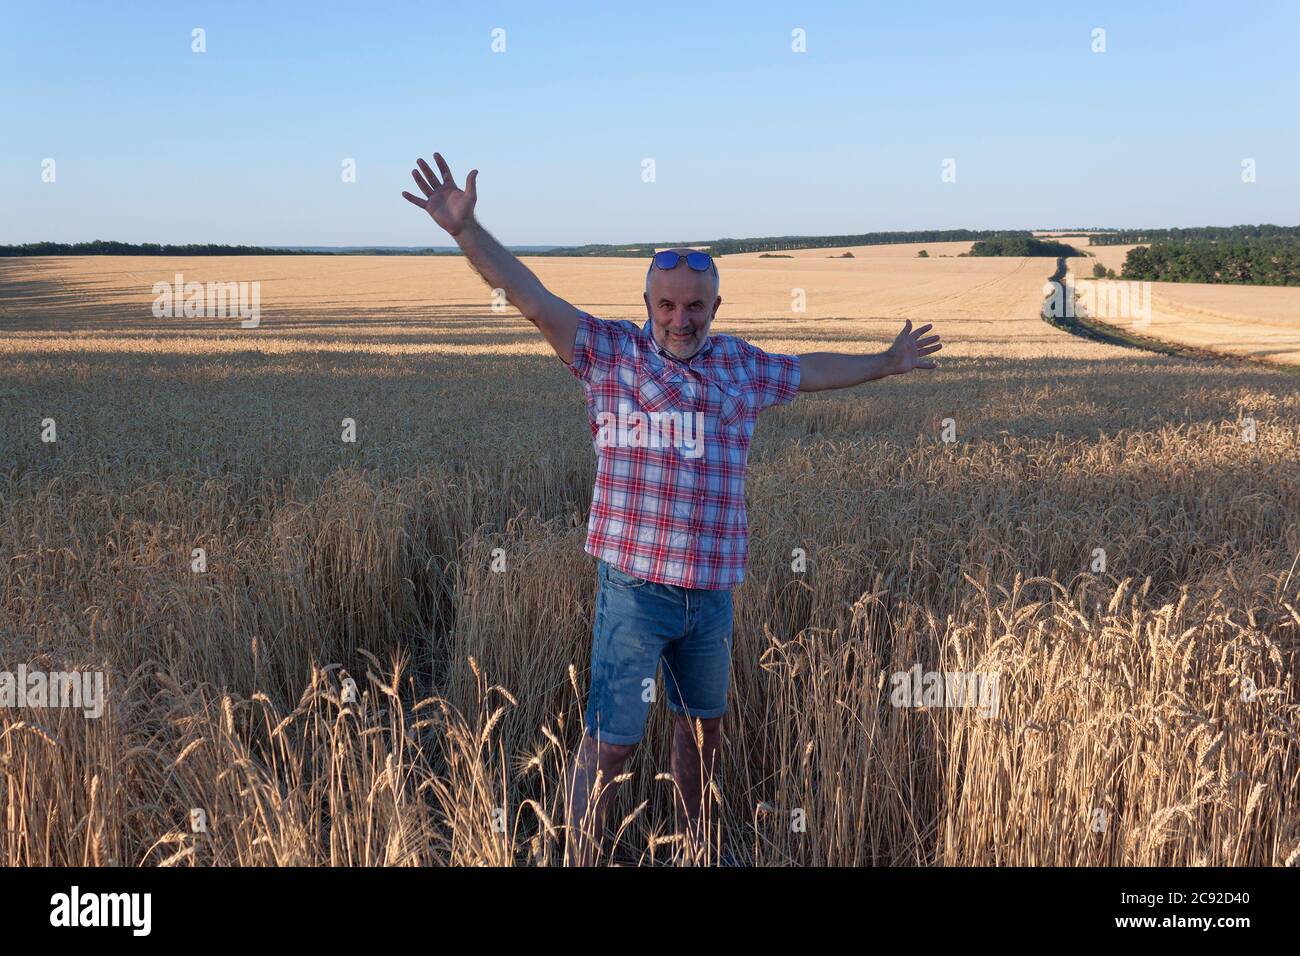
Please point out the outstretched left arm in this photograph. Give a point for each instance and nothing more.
(819, 371)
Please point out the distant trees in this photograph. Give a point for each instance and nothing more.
(1021, 246)
(724, 247)
(923, 254)
(1098, 270)
(718, 247)
(1273, 260)
(1130, 236)
(104, 247)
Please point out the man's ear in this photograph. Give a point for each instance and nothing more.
(717, 304)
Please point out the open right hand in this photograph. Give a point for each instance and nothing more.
(451, 207)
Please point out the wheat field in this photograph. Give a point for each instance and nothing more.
(1148, 711)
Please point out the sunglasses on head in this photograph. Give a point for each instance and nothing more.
(668, 259)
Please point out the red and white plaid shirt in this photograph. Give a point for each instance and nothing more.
(672, 443)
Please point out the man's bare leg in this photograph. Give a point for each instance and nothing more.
(693, 769)
(585, 822)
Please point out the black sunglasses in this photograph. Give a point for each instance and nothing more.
(668, 259)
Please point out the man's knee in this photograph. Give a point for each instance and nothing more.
(607, 752)
(708, 726)
(617, 752)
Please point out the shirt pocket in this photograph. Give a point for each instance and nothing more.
(658, 394)
(672, 427)
(732, 403)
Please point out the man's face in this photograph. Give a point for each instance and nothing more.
(681, 303)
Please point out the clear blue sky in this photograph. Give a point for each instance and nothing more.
(244, 143)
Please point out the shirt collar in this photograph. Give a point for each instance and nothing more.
(705, 349)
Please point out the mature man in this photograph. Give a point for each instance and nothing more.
(672, 412)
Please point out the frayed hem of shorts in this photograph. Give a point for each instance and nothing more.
(701, 714)
(619, 740)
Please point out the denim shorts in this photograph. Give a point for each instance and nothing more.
(638, 624)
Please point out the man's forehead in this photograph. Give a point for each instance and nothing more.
(681, 279)
(682, 282)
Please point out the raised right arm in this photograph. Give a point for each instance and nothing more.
(453, 209)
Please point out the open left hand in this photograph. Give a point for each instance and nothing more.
(451, 207)
(910, 349)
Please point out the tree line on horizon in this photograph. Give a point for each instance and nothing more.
(1021, 246)
(1246, 231)
(1246, 254)
(1251, 260)
(106, 247)
(728, 246)
(718, 247)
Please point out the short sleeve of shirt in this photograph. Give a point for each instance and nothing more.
(775, 376)
(595, 348)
